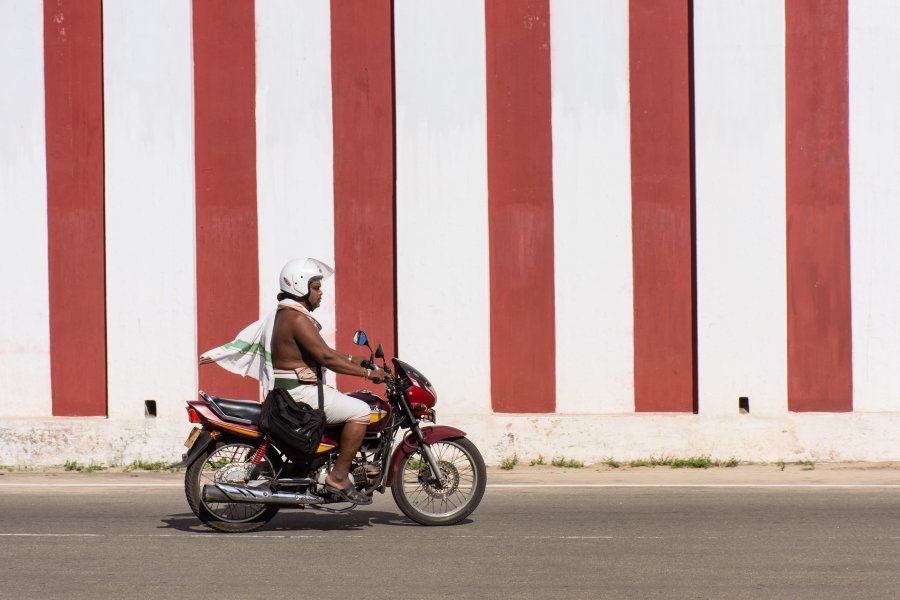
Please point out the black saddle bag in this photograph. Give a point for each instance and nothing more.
(296, 427)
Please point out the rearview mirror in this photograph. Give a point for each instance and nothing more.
(360, 338)
(379, 352)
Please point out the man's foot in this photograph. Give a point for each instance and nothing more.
(345, 490)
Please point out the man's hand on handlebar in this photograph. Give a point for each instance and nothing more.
(378, 375)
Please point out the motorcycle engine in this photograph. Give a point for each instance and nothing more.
(365, 476)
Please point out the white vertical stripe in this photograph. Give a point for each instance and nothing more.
(443, 286)
(740, 157)
(592, 207)
(874, 29)
(24, 310)
(295, 189)
(150, 285)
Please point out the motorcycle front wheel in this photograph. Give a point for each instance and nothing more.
(463, 479)
(225, 464)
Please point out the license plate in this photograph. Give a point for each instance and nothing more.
(195, 433)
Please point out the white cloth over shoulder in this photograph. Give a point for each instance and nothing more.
(250, 353)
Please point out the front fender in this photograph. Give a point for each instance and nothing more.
(200, 445)
(410, 444)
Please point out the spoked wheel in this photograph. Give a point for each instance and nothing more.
(463, 478)
(229, 462)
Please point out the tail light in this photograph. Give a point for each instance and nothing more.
(193, 415)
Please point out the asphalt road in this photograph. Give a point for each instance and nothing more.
(522, 542)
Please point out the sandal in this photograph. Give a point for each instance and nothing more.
(349, 494)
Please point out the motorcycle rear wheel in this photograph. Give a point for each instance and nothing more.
(228, 517)
(464, 478)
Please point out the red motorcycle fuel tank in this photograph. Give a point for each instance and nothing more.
(380, 410)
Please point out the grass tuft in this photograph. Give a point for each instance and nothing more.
(808, 465)
(693, 462)
(780, 465)
(508, 463)
(569, 463)
(144, 465)
(72, 465)
(610, 462)
(538, 461)
(704, 461)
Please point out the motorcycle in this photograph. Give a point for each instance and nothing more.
(237, 479)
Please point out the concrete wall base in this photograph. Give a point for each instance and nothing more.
(822, 437)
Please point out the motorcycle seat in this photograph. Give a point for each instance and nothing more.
(245, 410)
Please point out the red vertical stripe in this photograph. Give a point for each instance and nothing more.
(363, 100)
(661, 205)
(818, 224)
(73, 79)
(225, 161)
(520, 206)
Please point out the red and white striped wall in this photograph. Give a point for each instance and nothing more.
(874, 188)
(741, 236)
(575, 216)
(25, 353)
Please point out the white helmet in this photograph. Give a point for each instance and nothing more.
(297, 274)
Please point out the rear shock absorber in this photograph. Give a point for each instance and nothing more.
(260, 452)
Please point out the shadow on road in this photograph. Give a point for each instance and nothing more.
(305, 520)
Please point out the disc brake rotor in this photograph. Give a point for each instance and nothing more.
(233, 473)
(449, 480)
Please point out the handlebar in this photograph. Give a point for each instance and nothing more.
(370, 364)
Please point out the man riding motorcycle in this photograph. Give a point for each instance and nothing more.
(298, 349)
(284, 350)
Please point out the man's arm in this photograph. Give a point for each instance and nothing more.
(356, 360)
(307, 337)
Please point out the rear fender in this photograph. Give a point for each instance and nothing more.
(410, 444)
(203, 441)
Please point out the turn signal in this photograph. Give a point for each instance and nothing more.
(193, 416)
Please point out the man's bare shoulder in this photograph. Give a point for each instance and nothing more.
(300, 325)
(293, 316)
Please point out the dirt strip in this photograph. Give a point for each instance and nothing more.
(859, 473)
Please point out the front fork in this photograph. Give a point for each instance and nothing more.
(432, 462)
(425, 449)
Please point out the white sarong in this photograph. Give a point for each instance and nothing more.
(250, 353)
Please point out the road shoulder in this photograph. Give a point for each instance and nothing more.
(837, 474)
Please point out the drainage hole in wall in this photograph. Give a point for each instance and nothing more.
(744, 405)
(149, 408)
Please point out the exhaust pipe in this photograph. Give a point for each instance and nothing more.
(224, 492)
